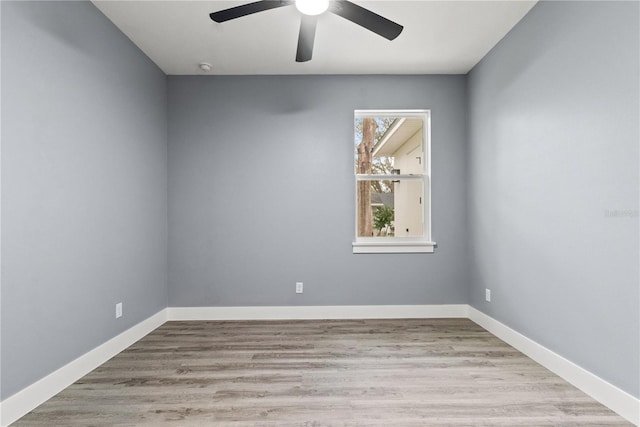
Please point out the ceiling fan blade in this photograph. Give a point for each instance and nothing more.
(306, 38)
(367, 19)
(248, 9)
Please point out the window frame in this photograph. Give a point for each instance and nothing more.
(385, 244)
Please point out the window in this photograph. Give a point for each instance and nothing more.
(392, 181)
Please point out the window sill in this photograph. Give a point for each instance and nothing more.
(393, 247)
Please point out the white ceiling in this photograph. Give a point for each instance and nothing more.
(439, 37)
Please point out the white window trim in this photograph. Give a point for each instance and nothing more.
(423, 244)
(419, 246)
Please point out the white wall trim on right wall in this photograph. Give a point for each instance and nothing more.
(609, 395)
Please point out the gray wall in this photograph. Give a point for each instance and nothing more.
(261, 192)
(553, 153)
(261, 187)
(83, 186)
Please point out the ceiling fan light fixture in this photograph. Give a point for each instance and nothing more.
(312, 7)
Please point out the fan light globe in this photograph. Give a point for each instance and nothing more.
(312, 7)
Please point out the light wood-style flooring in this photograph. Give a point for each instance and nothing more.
(433, 372)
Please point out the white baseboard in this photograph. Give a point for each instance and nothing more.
(319, 312)
(27, 399)
(609, 395)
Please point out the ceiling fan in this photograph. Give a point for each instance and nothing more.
(310, 10)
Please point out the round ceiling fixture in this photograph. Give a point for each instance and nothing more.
(312, 7)
(205, 66)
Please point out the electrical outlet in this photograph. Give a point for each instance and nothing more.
(299, 287)
(487, 295)
(118, 310)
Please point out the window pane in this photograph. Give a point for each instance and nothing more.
(388, 145)
(390, 208)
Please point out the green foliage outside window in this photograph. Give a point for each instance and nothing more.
(382, 220)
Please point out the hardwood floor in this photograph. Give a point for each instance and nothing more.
(435, 372)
